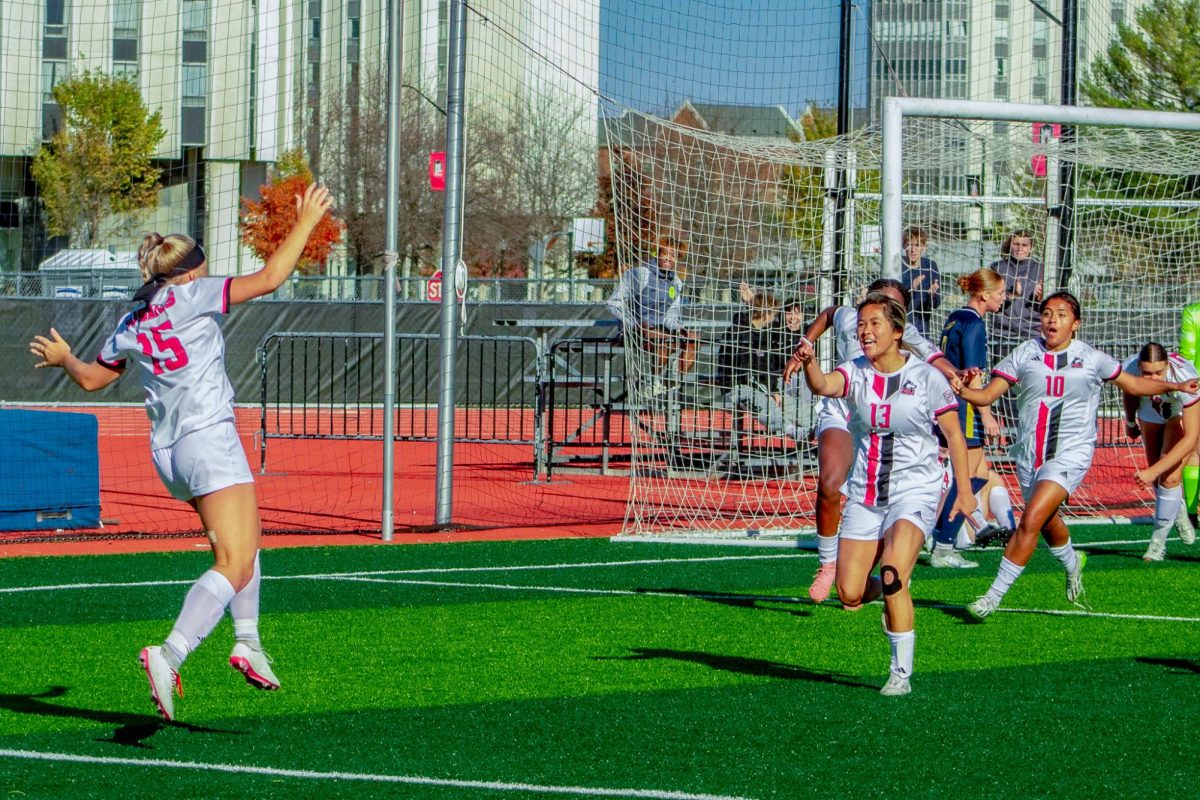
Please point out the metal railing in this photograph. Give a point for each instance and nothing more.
(105, 284)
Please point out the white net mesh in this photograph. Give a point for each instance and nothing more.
(711, 456)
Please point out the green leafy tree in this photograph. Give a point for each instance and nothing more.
(1152, 65)
(1155, 65)
(97, 171)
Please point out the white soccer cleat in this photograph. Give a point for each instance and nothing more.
(950, 558)
(1183, 524)
(982, 607)
(255, 665)
(896, 686)
(163, 680)
(1075, 583)
(1157, 551)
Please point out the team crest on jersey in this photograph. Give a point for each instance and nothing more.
(908, 388)
(1077, 363)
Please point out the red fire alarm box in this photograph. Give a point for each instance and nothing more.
(437, 172)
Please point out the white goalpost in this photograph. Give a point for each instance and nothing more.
(711, 460)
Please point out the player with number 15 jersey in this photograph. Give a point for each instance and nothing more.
(177, 347)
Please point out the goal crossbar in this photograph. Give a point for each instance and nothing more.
(895, 109)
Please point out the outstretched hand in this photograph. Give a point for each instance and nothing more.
(52, 352)
(803, 354)
(314, 204)
(1188, 387)
(962, 380)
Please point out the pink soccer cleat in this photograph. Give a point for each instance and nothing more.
(823, 582)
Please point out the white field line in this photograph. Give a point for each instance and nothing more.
(304, 774)
(58, 587)
(720, 596)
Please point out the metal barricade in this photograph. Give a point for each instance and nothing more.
(330, 386)
(585, 401)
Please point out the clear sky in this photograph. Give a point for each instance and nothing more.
(655, 53)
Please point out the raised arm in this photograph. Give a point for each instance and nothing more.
(831, 384)
(815, 330)
(980, 397)
(55, 352)
(309, 210)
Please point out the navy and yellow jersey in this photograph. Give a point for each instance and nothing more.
(964, 343)
(964, 339)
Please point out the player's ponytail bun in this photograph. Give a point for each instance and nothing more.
(158, 255)
(980, 282)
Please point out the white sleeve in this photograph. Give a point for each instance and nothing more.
(1107, 367)
(941, 397)
(618, 302)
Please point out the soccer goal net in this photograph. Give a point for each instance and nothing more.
(761, 226)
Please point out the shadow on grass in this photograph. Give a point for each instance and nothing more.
(132, 729)
(744, 666)
(1175, 666)
(737, 600)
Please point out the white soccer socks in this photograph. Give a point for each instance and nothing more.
(202, 610)
(244, 610)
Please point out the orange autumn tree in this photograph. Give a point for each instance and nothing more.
(265, 223)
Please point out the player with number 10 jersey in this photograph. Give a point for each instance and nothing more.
(1058, 395)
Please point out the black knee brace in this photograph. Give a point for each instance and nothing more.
(889, 576)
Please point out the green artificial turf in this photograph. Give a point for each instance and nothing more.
(684, 674)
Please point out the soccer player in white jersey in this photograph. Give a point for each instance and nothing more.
(1059, 380)
(1169, 425)
(894, 486)
(834, 446)
(175, 345)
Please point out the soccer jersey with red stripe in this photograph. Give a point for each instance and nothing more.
(891, 421)
(1058, 395)
(177, 347)
(1163, 407)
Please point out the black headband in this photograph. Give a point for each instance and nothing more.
(194, 258)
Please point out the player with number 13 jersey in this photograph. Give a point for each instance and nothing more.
(891, 422)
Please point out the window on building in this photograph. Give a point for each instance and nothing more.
(53, 73)
(56, 18)
(126, 21)
(195, 20)
(1118, 12)
(1001, 9)
(354, 32)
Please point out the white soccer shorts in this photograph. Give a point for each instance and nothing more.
(202, 462)
(1068, 471)
(833, 413)
(869, 523)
